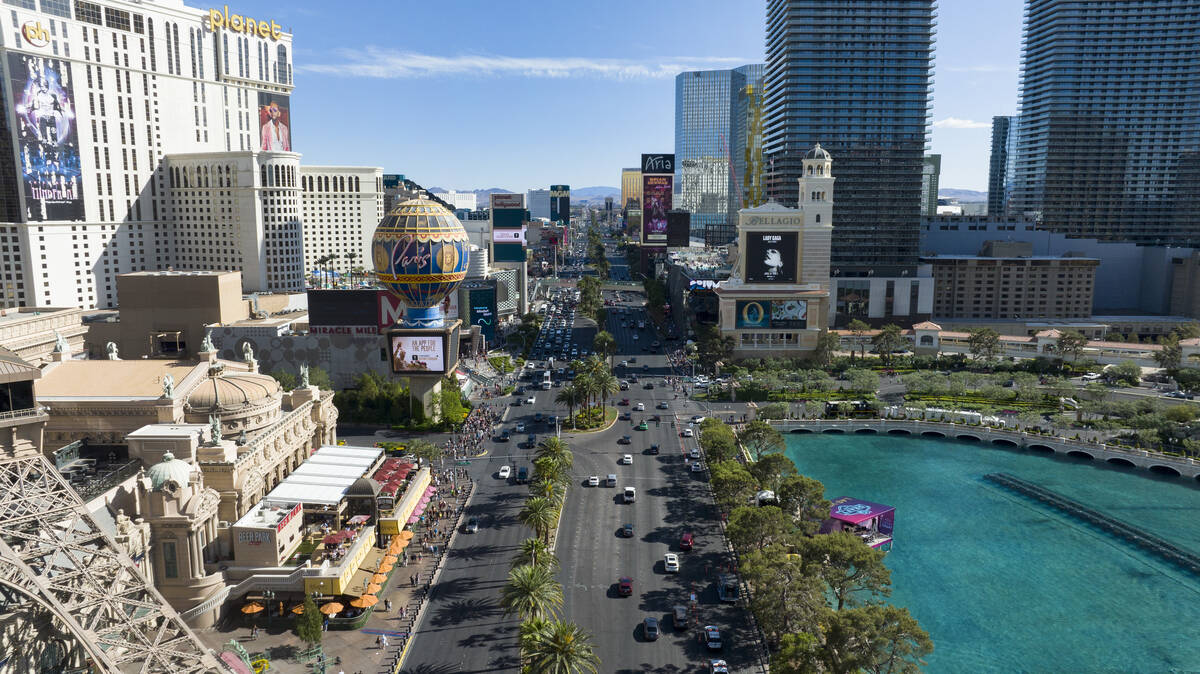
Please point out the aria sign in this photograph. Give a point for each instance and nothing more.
(241, 24)
(658, 163)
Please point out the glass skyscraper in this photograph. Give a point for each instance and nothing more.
(718, 146)
(1108, 132)
(854, 76)
(998, 164)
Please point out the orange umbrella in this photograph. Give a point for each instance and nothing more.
(253, 607)
(365, 601)
(389, 559)
(331, 608)
(385, 568)
(373, 588)
(298, 609)
(405, 535)
(397, 545)
(379, 578)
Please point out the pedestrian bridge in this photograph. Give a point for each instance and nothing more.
(1158, 463)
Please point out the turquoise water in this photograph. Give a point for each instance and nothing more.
(1003, 584)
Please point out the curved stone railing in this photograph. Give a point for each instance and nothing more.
(1185, 467)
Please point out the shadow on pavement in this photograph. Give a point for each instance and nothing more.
(458, 612)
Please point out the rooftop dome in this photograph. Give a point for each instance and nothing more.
(364, 486)
(233, 391)
(169, 468)
(818, 152)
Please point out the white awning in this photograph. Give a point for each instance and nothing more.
(350, 473)
(307, 493)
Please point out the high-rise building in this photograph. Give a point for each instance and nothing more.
(931, 173)
(560, 203)
(538, 203)
(1108, 144)
(342, 206)
(457, 200)
(631, 186)
(718, 144)
(854, 76)
(142, 136)
(998, 164)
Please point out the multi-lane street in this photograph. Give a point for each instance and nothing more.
(463, 628)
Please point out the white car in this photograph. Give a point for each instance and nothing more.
(641, 407)
(594, 481)
(688, 433)
(520, 426)
(505, 472)
(697, 419)
(697, 467)
(530, 400)
(694, 453)
(627, 459)
(671, 563)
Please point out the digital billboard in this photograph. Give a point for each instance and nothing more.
(508, 252)
(658, 163)
(418, 353)
(771, 257)
(47, 138)
(391, 309)
(777, 314)
(502, 200)
(482, 311)
(656, 201)
(275, 122)
(516, 236)
(679, 228)
(343, 308)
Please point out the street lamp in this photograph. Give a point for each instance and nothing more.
(267, 597)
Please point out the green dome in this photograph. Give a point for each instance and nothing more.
(169, 468)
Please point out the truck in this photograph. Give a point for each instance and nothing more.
(546, 381)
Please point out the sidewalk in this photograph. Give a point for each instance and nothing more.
(356, 651)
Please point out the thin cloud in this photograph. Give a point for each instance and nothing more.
(956, 123)
(375, 62)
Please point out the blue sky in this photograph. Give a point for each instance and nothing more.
(527, 93)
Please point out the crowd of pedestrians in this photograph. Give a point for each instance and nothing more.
(468, 441)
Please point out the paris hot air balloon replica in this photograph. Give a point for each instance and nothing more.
(420, 254)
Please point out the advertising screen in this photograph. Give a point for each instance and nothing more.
(47, 140)
(343, 307)
(508, 252)
(789, 314)
(275, 122)
(483, 311)
(500, 200)
(771, 257)
(777, 314)
(509, 236)
(679, 226)
(418, 353)
(658, 163)
(753, 314)
(656, 201)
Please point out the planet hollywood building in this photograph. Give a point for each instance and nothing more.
(142, 136)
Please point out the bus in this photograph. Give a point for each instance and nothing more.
(546, 380)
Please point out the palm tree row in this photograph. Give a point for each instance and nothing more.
(548, 644)
(594, 381)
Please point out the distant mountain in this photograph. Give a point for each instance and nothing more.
(597, 193)
(482, 195)
(965, 196)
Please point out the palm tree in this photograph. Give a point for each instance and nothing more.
(556, 449)
(606, 385)
(569, 396)
(550, 469)
(535, 552)
(558, 647)
(539, 514)
(583, 387)
(531, 592)
(606, 344)
(547, 488)
(527, 638)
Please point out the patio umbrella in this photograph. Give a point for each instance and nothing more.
(379, 578)
(298, 609)
(385, 568)
(253, 607)
(389, 559)
(373, 588)
(405, 535)
(331, 608)
(365, 601)
(397, 545)
(332, 539)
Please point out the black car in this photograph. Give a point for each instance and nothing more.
(653, 449)
(648, 386)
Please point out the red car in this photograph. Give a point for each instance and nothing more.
(625, 586)
(686, 542)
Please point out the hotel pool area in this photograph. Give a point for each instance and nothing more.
(1006, 584)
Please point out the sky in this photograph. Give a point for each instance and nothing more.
(472, 94)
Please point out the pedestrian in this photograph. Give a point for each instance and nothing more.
(379, 642)
(387, 605)
(254, 632)
(325, 625)
(385, 642)
(403, 611)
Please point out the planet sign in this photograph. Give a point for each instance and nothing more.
(420, 252)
